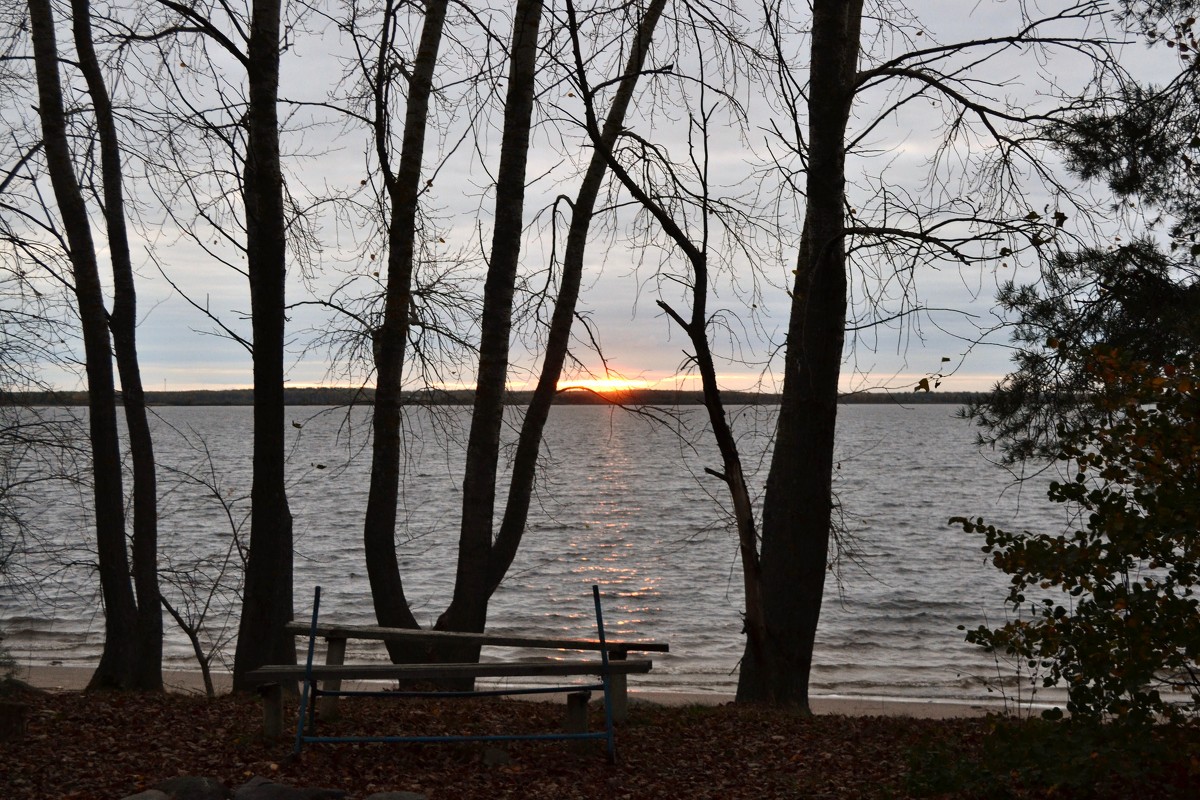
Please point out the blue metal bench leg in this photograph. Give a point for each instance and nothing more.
(610, 738)
(309, 686)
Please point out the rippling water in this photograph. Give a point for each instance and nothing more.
(623, 502)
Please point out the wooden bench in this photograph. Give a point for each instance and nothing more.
(336, 637)
(612, 669)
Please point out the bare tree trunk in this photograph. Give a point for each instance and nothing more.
(516, 510)
(404, 186)
(119, 658)
(490, 562)
(468, 608)
(798, 505)
(267, 596)
(202, 658)
(123, 323)
(696, 328)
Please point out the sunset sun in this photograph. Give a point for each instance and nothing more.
(611, 385)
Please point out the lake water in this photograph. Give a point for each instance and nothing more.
(622, 502)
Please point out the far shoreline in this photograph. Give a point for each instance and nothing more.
(74, 679)
(340, 396)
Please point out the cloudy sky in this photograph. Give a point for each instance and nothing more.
(181, 349)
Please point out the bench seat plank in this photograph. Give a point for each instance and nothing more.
(486, 669)
(488, 639)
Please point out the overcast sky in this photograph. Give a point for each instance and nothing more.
(179, 350)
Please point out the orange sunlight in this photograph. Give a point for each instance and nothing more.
(614, 385)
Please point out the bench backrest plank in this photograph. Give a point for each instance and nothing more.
(488, 639)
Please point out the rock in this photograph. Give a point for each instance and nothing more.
(187, 787)
(11, 686)
(149, 794)
(396, 796)
(260, 788)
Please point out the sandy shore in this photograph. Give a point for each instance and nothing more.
(76, 678)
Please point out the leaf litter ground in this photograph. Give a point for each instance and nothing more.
(114, 745)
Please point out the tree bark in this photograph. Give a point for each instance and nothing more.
(119, 659)
(123, 324)
(267, 595)
(798, 505)
(403, 187)
(468, 608)
(516, 510)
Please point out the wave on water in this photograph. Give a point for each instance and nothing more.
(622, 505)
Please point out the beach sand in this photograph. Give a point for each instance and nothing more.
(76, 678)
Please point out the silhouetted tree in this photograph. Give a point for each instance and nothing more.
(881, 238)
(1142, 141)
(132, 656)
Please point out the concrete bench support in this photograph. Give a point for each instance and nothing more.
(577, 717)
(327, 707)
(272, 695)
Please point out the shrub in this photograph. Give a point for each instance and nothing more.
(1121, 629)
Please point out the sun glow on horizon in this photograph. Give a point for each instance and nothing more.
(612, 385)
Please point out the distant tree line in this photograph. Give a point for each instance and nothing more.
(328, 396)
